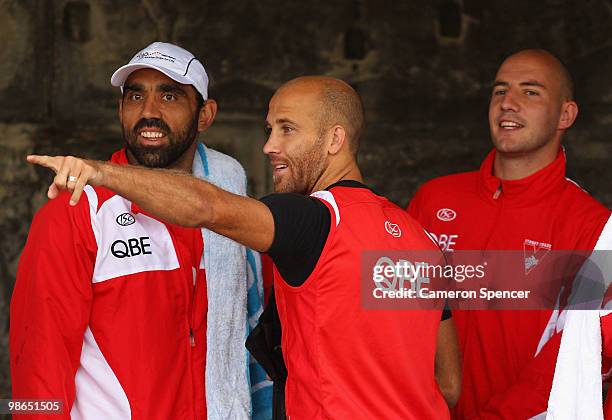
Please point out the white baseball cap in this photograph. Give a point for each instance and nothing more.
(173, 61)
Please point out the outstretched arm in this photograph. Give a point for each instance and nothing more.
(172, 196)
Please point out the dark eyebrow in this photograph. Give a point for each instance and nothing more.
(285, 120)
(526, 83)
(533, 83)
(135, 87)
(268, 124)
(172, 88)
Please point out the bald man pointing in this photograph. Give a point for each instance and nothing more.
(342, 360)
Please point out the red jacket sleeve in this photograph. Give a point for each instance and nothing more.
(51, 303)
(528, 395)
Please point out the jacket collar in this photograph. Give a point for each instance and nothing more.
(526, 191)
(120, 157)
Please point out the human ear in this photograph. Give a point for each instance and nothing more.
(338, 139)
(207, 114)
(569, 112)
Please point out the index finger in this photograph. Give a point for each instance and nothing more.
(78, 190)
(51, 162)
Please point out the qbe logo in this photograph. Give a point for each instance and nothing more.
(446, 215)
(132, 247)
(446, 242)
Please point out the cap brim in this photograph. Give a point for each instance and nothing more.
(122, 73)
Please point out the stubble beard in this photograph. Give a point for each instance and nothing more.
(305, 171)
(528, 143)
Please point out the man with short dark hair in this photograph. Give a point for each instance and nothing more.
(518, 200)
(112, 311)
(343, 361)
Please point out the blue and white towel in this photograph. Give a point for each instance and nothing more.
(235, 301)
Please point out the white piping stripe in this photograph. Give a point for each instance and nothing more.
(329, 197)
(550, 329)
(605, 237)
(92, 197)
(99, 395)
(576, 184)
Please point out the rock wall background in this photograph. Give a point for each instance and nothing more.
(423, 68)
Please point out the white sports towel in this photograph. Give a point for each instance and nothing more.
(576, 390)
(227, 383)
(577, 385)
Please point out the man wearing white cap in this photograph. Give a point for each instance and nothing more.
(112, 312)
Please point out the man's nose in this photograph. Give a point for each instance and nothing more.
(509, 102)
(150, 108)
(271, 145)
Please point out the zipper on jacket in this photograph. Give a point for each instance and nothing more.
(194, 272)
(497, 192)
(499, 203)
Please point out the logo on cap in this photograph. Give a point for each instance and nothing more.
(446, 215)
(155, 54)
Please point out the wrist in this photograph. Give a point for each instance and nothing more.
(98, 176)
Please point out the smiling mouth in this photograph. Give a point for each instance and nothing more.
(509, 125)
(151, 137)
(152, 134)
(278, 168)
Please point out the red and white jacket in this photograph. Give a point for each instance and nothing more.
(108, 313)
(508, 356)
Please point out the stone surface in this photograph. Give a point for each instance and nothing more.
(423, 68)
